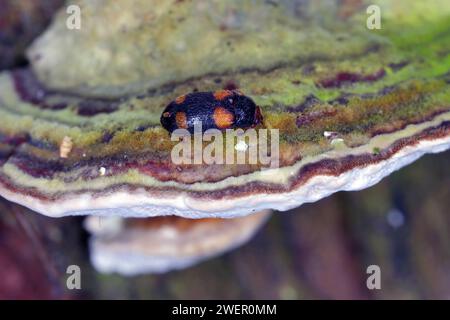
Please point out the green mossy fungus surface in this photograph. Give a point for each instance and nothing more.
(312, 67)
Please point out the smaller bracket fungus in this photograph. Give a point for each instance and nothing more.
(156, 245)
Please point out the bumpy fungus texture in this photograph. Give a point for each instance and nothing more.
(351, 104)
(155, 245)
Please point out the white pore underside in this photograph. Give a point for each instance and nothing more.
(120, 250)
(128, 263)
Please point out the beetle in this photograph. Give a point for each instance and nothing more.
(222, 109)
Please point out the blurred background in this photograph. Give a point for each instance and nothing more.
(319, 250)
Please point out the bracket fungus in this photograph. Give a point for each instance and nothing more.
(156, 245)
(80, 131)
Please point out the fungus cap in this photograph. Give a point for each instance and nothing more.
(86, 140)
(157, 245)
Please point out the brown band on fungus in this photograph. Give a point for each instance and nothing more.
(14, 140)
(5, 153)
(345, 78)
(89, 108)
(30, 90)
(308, 102)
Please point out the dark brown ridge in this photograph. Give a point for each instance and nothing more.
(29, 89)
(344, 78)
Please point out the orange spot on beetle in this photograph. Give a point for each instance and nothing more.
(181, 120)
(222, 94)
(223, 118)
(180, 99)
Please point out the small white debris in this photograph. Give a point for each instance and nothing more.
(102, 171)
(330, 134)
(84, 155)
(65, 147)
(395, 218)
(241, 146)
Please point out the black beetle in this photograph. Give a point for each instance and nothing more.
(222, 109)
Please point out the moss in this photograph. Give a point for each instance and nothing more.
(376, 150)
